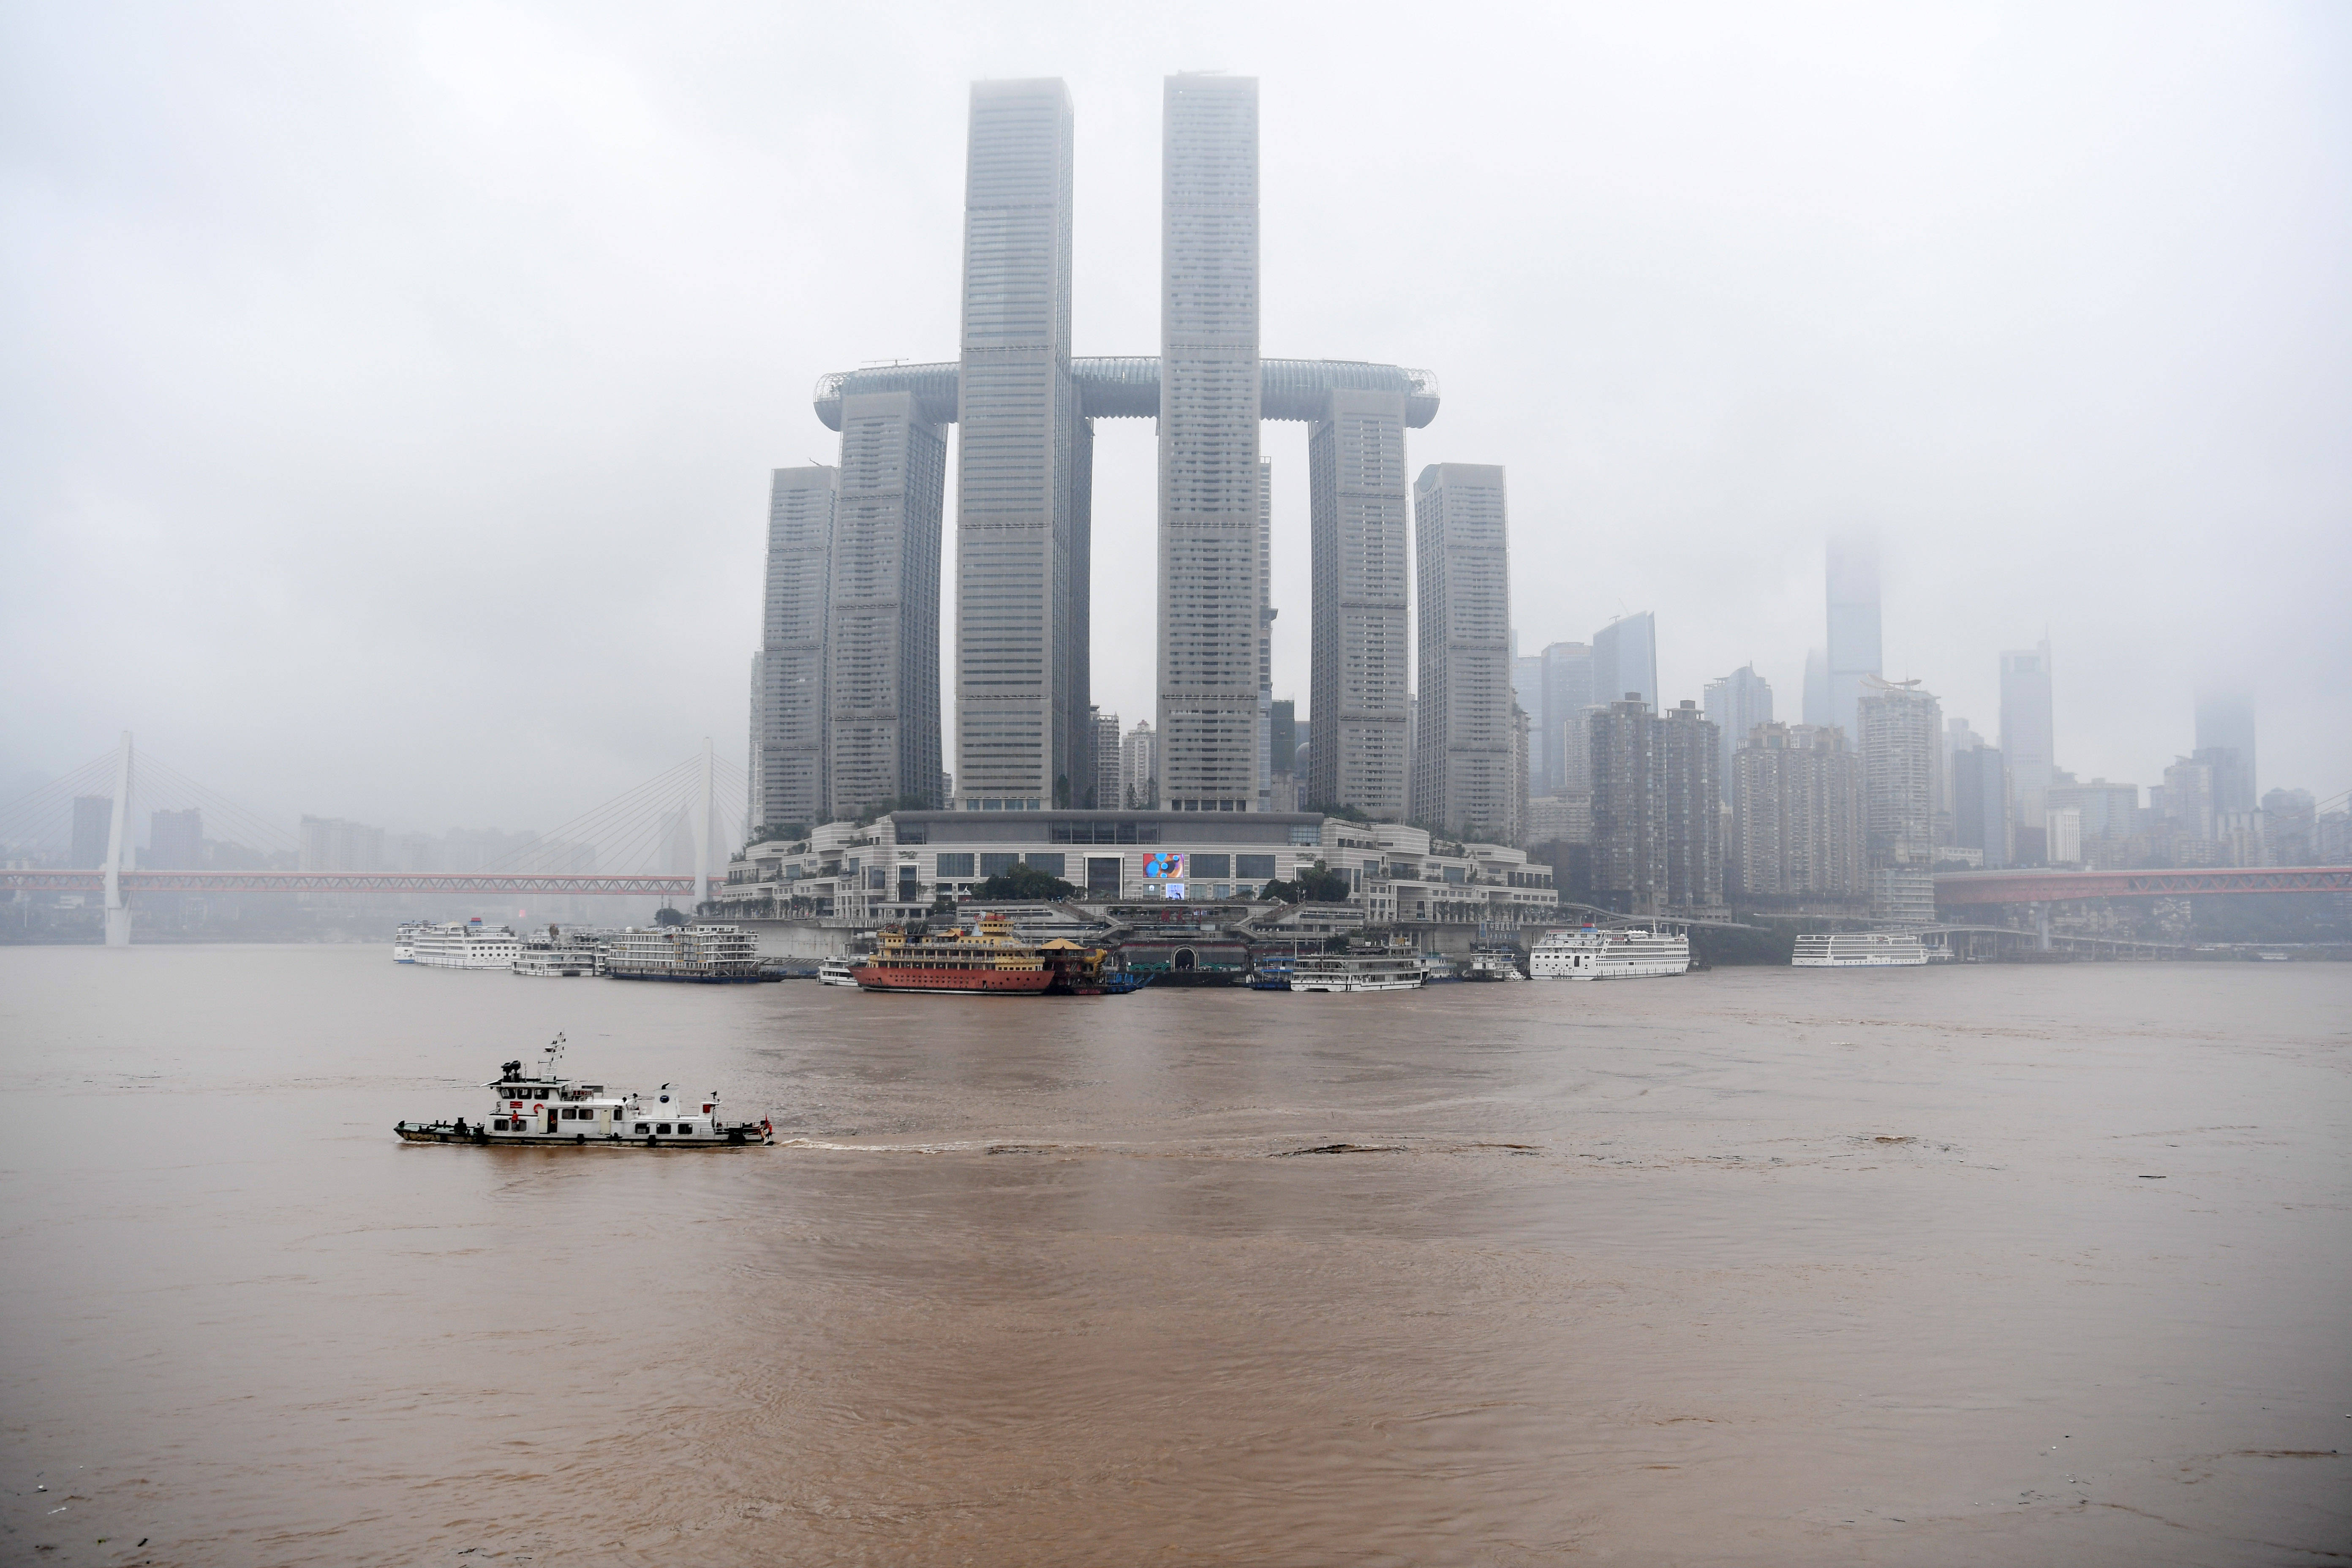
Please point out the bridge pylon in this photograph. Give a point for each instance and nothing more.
(118, 846)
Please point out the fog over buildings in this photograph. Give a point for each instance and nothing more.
(401, 402)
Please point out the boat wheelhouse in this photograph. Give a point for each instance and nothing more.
(541, 1106)
(1624, 952)
(1860, 950)
(1357, 972)
(837, 971)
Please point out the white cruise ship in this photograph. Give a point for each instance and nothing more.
(705, 956)
(1860, 950)
(553, 953)
(471, 945)
(1626, 952)
(1356, 972)
(403, 941)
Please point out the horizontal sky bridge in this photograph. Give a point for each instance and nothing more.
(1129, 387)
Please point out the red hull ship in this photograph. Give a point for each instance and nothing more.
(990, 960)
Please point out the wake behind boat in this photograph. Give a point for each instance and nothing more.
(544, 1107)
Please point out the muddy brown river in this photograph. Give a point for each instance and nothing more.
(1997, 1265)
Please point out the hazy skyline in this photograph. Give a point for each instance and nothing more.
(392, 394)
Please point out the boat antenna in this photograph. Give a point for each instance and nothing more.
(554, 1052)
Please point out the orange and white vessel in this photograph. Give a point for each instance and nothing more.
(988, 960)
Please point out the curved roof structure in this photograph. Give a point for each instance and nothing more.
(1129, 387)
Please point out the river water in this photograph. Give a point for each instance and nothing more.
(1998, 1264)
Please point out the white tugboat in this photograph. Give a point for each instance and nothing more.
(542, 1108)
(836, 972)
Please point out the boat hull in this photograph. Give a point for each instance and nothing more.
(954, 982)
(1873, 962)
(739, 1136)
(1336, 987)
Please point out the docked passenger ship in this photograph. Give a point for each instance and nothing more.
(554, 953)
(989, 959)
(1615, 953)
(1357, 972)
(695, 955)
(470, 945)
(1860, 950)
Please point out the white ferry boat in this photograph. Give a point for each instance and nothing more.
(1356, 972)
(836, 972)
(471, 945)
(1860, 950)
(702, 955)
(542, 1108)
(403, 941)
(1492, 966)
(1629, 952)
(562, 954)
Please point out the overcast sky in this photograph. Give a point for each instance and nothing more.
(390, 391)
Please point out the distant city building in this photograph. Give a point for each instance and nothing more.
(882, 629)
(1107, 789)
(1817, 708)
(1560, 818)
(2109, 812)
(331, 844)
(1282, 736)
(1022, 520)
(2225, 724)
(1980, 809)
(1139, 767)
(1625, 659)
(1360, 660)
(1208, 471)
(1796, 826)
(2244, 838)
(1266, 617)
(757, 795)
(1898, 746)
(2184, 802)
(1657, 844)
(1467, 750)
(2061, 841)
(175, 841)
(791, 707)
(1853, 651)
(1527, 691)
(1563, 732)
(93, 826)
(2290, 816)
(2027, 736)
(1735, 706)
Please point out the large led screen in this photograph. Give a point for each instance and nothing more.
(1165, 866)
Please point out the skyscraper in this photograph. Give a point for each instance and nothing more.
(1898, 725)
(1138, 766)
(2027, 738)
(1107, 786)
(1688, 800)
(793, 704)
(1628, 860)
(1266, 614)
(1625, 659)
(1736, 705)
(1284, 731)
(1980, 809)
(1465, 748)
(1565, 733)
(1527, 691)
(882, 627)
(1797, 829)
(1362, 751)
(93, 826)
(2225, 722)
(1853, 651)
(176, 841)
(1021, 522)
(1210, 390)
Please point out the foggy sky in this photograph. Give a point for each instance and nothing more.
(390, 392)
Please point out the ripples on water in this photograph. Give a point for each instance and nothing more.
(2001, 1264)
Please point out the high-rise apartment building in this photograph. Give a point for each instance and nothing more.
(882, 621)
(1467, 742)
(1982, 814)
(1898, 746)
(1689, 798)
(2109, 813)
(2183, 804)
(1283, 732)
(331, 844)
(1359, 512)
(1209, 406)
(93, 825)
(1107, 786)
(1565, 735)
(176, 841)
(2225, 723)
(1796, 826)
(793, 708)
(1854, 653)
(1628, 868)
(1527, 691)
(2028, 736)
(1021, 510)
(1139, 767)
(1266, 614)
(1625, 659)
(1735, 706)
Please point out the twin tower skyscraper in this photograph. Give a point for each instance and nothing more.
(847, 707)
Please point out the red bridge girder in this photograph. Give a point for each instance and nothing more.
(642, 886)
(1954, 888)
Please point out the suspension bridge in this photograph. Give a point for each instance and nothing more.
(78, 834)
